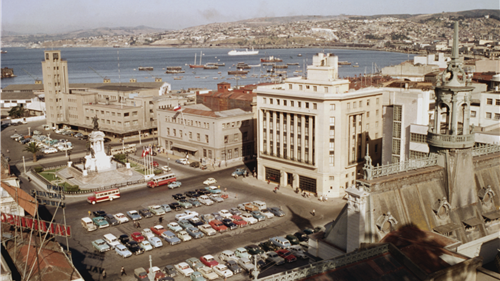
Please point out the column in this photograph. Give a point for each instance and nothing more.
(281, 134)
(349, 141)
(311, 140)
(261, 132)
(302, 137)
(466, 119)
(437, 116)
(287, 124)
(454, 117)
(295, 120)
(267, 132)
(274, 133)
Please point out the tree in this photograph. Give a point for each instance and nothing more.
(16, 112)
(34, 148)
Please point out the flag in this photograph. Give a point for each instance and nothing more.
(177, 108)
(143, 153)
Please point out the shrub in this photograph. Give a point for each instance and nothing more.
(71, 188)
(38, 169)
(157, 172)
(120, 158)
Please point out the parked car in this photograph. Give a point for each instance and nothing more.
(207, 229)
(194, 202)
(239, 172)
(174, 184)
(233, 266)
(111, 219)
(287, 255)
(207, 218)
(274, 258)
(155, 164)
(155, 242)
(235, 211)
(122, 251)
(111, 240)
(293, 240)
(196, 221)
(268, 246)
(123, 238)
(166, 168)
(205, 200)
(179, 196)
(225, 214)
(166, 208)
(298, 252)
(156, 210)
(195, 164)
(184, 236)
(175, 206)
(223, 271)
(213, 189)
(216, 198)
(186, 215)
(267, 213)
(209, 181)
(158, 229)
(134, 247)
(185, 204)
(175, 227)
(185, 224)
(194, 263)
(249, 218)
(208, 273)
(301, 236)
(137, 236)
(246, 264)
(141, 274)
(229, 224)
(49, 150)
(99, 213)
(100, 245)
(280, 242)
(197, 276)
(170, 271)
(121, 218)
(218, 226)
(202, 191)
(209, 260)
(308, 231)
(194, 232)
(145, 213)
(134, 215)
(146, 245)
(239, 221)
(258, 215)
(184, 269)
(100, 222)
(227, 255)
(191, 194)
(277, 212)
(254, 250)
(158, 273)
(182, 161)
(170, 237)
(241, 253)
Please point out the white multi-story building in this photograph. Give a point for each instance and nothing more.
(313, 132)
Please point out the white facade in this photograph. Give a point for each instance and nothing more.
(312, 133)
(432, 59)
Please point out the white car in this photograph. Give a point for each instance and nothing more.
(249, 218)
(210, 181)
(156, 210)
(147, 233)
(205, 200)
(227, 255)
(267, 213)
(63, 147)
(184, 269)
(225, 214)
(155, 242)
(49, 150)
(120, 217)
(184, 236)
(182, 161)
(207, 229)
(186, 215)
(111, 240)
(166, 168)
(223, 271)
(122, 251)
(208, 273)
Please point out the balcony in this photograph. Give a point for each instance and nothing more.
(450, 141)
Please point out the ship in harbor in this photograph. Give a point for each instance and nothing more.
(344, 63)
(174, 69)
(242, 65)
(270, 59)
(243, 53)
(145, 68)
(197, 65)
(237, 72)
(210, 65)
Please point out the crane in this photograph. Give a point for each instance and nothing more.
(37, 81)
(104, 79)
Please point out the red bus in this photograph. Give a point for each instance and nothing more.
(105, 195)
(162, 180)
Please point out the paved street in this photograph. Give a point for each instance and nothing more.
(298, 216)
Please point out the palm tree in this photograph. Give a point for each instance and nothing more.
(34, 148)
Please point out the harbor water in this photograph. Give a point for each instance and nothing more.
(92, 65)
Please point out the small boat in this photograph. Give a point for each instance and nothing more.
(255, 65)
(269, 63)
(242, 65)
(281, 66)
(237, 72)
(178, 78)
(243, 53)
(210, 66)
(145, 68)
(220, 64)
(299, 55)
(293, 63)
(174, 69)
(355, 65)
(344, 63)
(270, 59)
(215, 78)
(197, 65)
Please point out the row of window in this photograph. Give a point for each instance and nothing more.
(497, 116)
(314, 88)
(113, 122)
(108, 113)
(360, 103)
(180, 135)
(490, 101)
(16, 101)
(237, 124)
(236, 137)
(188, 122)
(418, 138)
(292, 103)
(290, 155)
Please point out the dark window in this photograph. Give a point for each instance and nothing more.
(307, 184)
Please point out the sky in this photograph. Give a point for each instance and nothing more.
(55, 16)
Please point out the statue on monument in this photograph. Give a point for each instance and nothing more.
(95, 121)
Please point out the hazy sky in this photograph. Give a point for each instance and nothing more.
(53, 16)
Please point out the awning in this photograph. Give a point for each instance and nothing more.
(472, 222)
(184, 147)
(492, 215)
(447, 228)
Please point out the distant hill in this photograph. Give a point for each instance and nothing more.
(425, 17)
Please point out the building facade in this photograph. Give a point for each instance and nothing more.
(313, 133)
(212, 137)
(55, 84)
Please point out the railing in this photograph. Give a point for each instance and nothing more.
(450, 141)
(371, 172)
(117, 185)
(484, 149)
(327, 265)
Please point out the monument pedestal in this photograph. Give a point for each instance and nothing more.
(98, 160)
